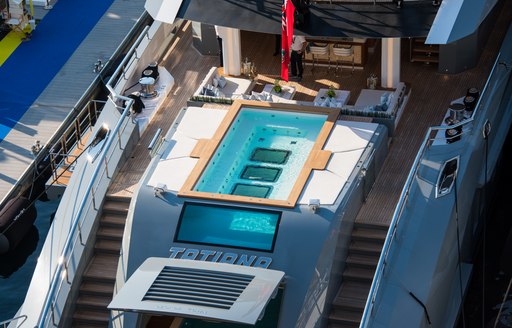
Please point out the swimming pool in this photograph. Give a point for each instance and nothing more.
(262, 154)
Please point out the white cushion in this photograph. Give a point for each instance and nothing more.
(222, 82)
(390, 99)
(384, 98)
(259, 96)
(215, 82)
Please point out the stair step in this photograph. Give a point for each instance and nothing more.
(113, 220)
(88, 325)
(102, 268)
(343, 303)
(96, 288)
(110, 233)
(120, 208)
(374, 226)
(365, 247)
(357, 290)
(364, 233)
(342, 325)
(86, 316)
(424, 59)
(98, 303)
(108, 246)
(118, 199)
(347, 318)
(363, 260)
(421, 47)
(358, 274)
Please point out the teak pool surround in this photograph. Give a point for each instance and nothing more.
(206, 149)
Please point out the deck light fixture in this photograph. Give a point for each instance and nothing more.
(98, 143)
(159, 189)
(314, 205)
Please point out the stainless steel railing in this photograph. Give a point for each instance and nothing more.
(75, 235)
(72, 136)
(125, 64)
(395, 221)
(3, 324)
(88, 202)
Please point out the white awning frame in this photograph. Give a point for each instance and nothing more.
(247, 308)
(163, 10)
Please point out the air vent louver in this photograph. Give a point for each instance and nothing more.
(197, 287)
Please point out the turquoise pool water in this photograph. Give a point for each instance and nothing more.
(228, 226)
(262, 154)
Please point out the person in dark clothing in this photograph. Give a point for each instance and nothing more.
(297, 49)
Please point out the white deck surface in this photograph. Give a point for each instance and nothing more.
(50, 109)
(201, 123)
(174, 169)
(347, 142)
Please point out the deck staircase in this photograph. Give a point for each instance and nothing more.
(424, 53)
(98, 280)
(363, 255)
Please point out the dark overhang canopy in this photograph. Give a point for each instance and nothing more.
(381, 20)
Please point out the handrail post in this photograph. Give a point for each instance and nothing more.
(78, 132)
(66, 270)
(80, 235)
(93, 199)
(53, 167)
(119, 140)
(106, 166)
(52, 308)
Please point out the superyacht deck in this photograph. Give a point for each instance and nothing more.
(425, 108)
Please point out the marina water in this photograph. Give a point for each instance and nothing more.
(17, 267)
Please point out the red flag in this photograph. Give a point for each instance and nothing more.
(288, 11)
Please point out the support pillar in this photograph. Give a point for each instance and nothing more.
(231, 50)
(390, 62)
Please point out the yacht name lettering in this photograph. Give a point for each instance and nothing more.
(217, 256)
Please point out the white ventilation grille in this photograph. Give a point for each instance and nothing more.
(197, 287)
